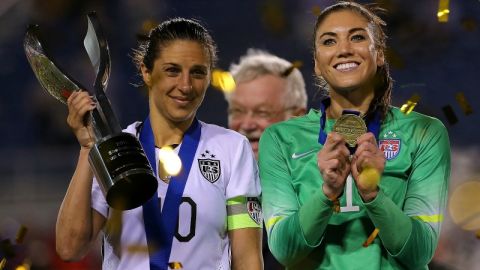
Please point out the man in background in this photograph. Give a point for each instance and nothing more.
(268, 89)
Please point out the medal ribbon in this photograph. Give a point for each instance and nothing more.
(372, 126)
(160, 225)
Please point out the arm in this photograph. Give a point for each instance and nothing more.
(77, 223)
(411, 235)
(244, 212)
(293, 230)
(246, 248)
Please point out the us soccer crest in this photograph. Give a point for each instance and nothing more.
(390, 145)
(254, 209)
(209, 167)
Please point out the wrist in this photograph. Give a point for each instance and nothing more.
(369, 196)
(84, 150)
(331, 194)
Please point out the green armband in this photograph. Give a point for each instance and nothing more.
(244, 212)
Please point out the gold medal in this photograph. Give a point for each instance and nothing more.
(350, 127)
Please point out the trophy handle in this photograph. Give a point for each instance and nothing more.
(52, 78)
(97, 49)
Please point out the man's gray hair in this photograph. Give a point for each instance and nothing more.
(257, 63)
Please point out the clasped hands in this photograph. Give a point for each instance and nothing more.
(366, 165)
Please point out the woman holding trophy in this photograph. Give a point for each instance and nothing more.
(208, 216)
(358, 184)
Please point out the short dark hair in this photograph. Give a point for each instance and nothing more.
(169, 31)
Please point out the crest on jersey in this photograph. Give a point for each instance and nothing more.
(390, 145)
(254, 209)
(390, 148)
(209, 167)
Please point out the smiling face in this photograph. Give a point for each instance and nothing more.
(256, 104)
(345, 53)
(178, 81)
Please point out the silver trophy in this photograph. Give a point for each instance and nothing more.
(117, 158)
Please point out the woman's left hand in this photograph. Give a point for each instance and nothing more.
(367, 166)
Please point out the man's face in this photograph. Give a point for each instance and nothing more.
(256, 104)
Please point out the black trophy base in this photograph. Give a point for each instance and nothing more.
(123, 171)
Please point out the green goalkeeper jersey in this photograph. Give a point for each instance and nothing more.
(303, 230)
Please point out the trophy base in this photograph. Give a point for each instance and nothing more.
(127, 192)
(123, 171)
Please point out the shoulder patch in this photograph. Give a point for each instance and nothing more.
(254, 209)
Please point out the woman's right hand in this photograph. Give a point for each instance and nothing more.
(79, 104)
(333, 161)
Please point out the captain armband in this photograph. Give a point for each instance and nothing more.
(244, 212)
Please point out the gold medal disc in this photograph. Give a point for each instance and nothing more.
(350, 127)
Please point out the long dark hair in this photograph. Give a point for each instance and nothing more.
(383, 81)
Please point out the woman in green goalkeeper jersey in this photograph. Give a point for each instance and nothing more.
(323, 199)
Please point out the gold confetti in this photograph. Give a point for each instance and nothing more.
(223, 80)
(371, 238)
(477, 234)
(273, 16)
(21, 234)
(410, 105)
(144, 32)
(3, 262)
(175, 265)
(462, 101)
(114, 224)
(336, 206)
(450, 114)
(369, 178)
(295, 64)
(137, 249)
(394, 58)
(464, 206)
(23, 266)
(316, 10)
(469, 24)
(443, 10)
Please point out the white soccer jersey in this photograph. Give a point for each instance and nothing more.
(201, 241)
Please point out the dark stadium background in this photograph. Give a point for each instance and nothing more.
(435, 60)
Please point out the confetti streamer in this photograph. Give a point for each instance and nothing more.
(273, 16)
(477, 234)
(450, 114)
(3, 262)
(295, 64)
(137, 249)
(371, 238)
(114, 224)
(175, 265)
(21, 234)
(410, 105)
(466, 108)
(443, 10)
(316, 10)
(394, 59)
(223, 80)
(336, 206)
(469, 24)
(24, 266)
(147, 25)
